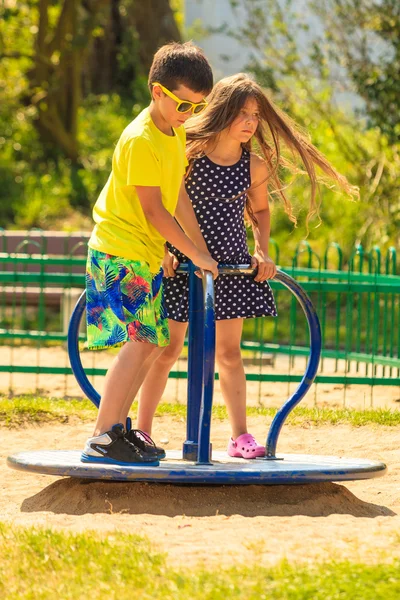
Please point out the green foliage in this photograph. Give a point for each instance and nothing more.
(39, 186)
(178, 6)
(364, 157)
(43, 192)
(364, 39)
(306, 64)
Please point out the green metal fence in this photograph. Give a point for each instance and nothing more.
(41, 277)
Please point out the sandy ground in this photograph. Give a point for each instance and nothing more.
(227, 524)
(264, 393)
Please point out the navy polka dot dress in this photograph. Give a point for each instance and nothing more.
(211, 188)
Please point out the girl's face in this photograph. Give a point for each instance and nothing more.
(246, 123)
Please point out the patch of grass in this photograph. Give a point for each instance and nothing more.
(38, 409)
(339, 416)
(45, 564)
(302, 416)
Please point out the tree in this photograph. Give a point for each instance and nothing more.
(54, 77)
(67, 31)
(59, 61)
(364, 39)
(127, 35)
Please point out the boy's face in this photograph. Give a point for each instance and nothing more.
(167, 106)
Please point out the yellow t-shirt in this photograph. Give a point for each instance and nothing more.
(143, 156)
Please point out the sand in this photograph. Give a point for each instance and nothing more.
(220, 525)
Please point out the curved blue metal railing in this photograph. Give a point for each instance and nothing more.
(201, 362)
(74, 355)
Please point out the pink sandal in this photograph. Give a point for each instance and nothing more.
(245, 446)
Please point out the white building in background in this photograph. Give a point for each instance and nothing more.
(216, 13)
(226, 55)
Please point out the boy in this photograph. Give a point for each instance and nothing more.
(134, 217)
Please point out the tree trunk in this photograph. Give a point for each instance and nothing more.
(55, 78)
(155, 24)
(132, 32)
(100, 72)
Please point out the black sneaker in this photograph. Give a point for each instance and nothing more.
(143, 441)
(113, 448)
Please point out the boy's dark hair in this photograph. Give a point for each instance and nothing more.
(178, 64)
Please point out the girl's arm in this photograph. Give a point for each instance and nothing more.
(258, 197)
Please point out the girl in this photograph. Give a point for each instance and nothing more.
(225, 182)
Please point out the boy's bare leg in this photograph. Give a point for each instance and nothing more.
(138, 382)
(231, 372)
(157, 376)
(121, 380)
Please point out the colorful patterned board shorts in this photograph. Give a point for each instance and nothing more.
(123, 302)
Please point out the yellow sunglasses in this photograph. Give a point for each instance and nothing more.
(183, 106)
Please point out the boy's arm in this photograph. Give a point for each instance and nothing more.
(155, 212)
(186, 218)
(258, 196)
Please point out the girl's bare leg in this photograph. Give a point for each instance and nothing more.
(141, 375)
(231, 372)
(157, 376)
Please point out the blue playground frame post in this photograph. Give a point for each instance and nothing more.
(195, 364)
(208, 369)
(201, 366)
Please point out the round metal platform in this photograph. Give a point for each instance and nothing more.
(288, 469)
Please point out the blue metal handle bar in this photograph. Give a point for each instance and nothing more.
(223, 269)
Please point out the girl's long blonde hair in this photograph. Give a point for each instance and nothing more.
(275, 128)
